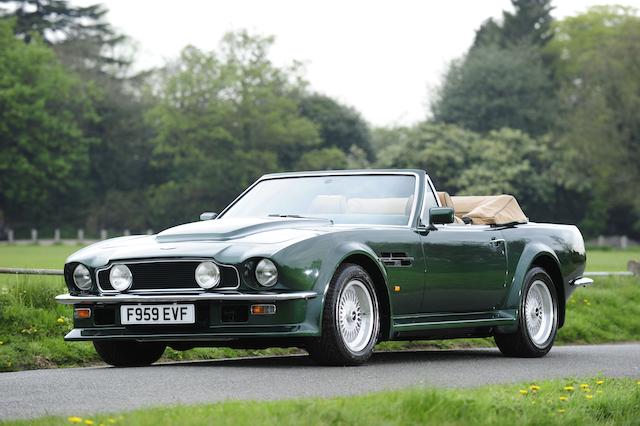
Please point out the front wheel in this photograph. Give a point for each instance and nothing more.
(537, 319)
(350, 320)
(129, 353)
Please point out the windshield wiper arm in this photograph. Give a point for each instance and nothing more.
(297, 216)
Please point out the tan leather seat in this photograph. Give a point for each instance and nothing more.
(446, 201)
(328, 204)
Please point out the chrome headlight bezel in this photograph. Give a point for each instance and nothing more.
(82, 277)
(120, 277)
(266, 273)
(207, 275)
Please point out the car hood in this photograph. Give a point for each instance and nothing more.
(227, 240)
(230, 229)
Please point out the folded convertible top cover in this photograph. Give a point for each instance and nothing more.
(489, 210)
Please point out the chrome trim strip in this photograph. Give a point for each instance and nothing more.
(416, 190)
(582, 281)
(474, 321)
(165, 260)
(67, 299)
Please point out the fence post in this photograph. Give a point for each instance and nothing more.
(34, 236)
(624, 242)
(600, 240)
(80, 236)
(10, 236)
(56, 235)
(126, 233)
(103, 234)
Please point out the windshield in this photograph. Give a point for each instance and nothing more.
(347, 199)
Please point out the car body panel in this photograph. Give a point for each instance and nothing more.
(466, 279)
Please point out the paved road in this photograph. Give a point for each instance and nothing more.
(89, 390)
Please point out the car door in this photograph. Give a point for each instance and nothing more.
(465, 269)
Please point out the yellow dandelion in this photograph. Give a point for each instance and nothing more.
(589, 396)
(534, 388)
(112, 421)
(569, 388)
(585, 300)
(88, 422)
(60, 320)
(563, 398)
(584, 386)
(562, 410)
(523, 392)
(1, 343)
(74, 419)
(638, 382)
(599, 382)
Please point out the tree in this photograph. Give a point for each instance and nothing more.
(43, 149)
(339, 126)
(467, 163)
(597, 69)
(323, 159)
(492, 88)
(221, 120)
(530, 24)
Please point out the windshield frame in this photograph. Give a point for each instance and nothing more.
(416, 190)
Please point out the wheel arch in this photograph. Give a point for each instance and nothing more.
(365, 257)
(551, 266)
(538, 255)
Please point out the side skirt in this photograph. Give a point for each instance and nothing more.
(473, 324)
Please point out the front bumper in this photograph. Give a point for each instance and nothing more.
(291, 318)
(67, 299)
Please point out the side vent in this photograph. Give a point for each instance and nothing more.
(396, 259)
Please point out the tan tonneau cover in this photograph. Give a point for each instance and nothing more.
(489, 209)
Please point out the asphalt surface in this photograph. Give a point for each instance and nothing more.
(78, 391)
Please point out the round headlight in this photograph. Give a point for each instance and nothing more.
(266, 273)
(120, 277)
(82, 277)
(207, 275)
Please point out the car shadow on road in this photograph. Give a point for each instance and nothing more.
(301, 360)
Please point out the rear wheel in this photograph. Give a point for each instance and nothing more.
(350, 321)
(537, 319)
(129, 353)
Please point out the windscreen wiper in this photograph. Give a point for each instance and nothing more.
(297, 216)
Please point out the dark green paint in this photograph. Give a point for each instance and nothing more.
(458, 277)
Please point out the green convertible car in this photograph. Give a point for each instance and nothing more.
(332, 262)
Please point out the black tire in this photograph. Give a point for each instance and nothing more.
(520, 343)
(129, 353)
(330, 348)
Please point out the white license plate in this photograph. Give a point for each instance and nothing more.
(157, 314)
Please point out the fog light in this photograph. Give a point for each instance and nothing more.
(263, 309)
(82, 313)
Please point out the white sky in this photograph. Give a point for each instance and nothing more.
(382, 57)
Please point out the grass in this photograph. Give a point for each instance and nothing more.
(596, 401)
(611, 260)
(32, 325)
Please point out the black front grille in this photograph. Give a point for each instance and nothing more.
(178, 275)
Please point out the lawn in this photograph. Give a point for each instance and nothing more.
(32, 325)
(595, 401)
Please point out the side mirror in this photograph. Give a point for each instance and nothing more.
(208, 216)
(440, 215)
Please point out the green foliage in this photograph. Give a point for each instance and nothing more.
(463, 162)
(44, 151)
(530, 24)
(323, 159)
(494, 87)
(610, 401)
(597, 70)
(223, 119)
(340, 126)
